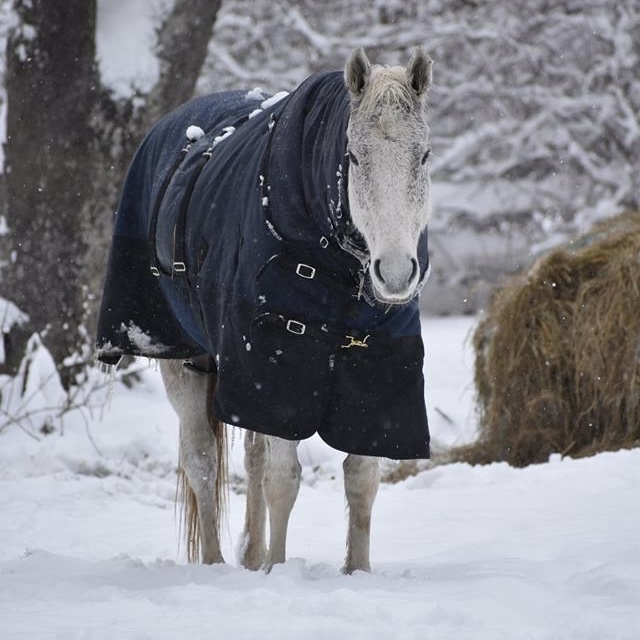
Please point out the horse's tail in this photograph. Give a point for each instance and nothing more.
(186, 495)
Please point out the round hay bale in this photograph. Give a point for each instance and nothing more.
(557, 353)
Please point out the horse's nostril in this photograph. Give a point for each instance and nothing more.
(376, 270)
(414, 269)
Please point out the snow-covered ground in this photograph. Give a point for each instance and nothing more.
(90, 541)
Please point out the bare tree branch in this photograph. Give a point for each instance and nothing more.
(182, 48)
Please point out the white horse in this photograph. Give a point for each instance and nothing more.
(389, 201)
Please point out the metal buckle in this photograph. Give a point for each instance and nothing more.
(155, 271)
(179, 267)
(305, 271)
(295, 327)
(355, 342)
(324, 242)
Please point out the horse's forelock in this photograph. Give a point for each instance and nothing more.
(387, 87)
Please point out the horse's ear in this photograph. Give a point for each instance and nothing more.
(419, 71)
(357, 72)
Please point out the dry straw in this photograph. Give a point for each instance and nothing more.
(557, 365)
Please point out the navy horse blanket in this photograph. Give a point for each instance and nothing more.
(233, 239)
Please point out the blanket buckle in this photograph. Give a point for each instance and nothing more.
(179, 267)
(155, 271)
(295, 327)
(305, 271)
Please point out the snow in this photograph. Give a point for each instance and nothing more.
(194, 133)
(10, 315)
(227, 131)
(127, 62)
(90, 537)
(143, 341)
(255, 94)
(274, 99)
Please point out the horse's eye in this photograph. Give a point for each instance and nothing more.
(353, 159)
(426, 156)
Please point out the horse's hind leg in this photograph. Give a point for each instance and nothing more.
(361, 479)
(281, 485)
(201, 465)
(252, 547)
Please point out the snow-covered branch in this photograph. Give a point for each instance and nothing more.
(524, 91)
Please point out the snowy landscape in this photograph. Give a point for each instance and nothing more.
(531, 144)
(90, 536)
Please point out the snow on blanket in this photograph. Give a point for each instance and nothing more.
(89, 539)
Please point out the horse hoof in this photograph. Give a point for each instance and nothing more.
(215, 558)
(348, 569)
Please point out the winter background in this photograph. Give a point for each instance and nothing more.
(90, 539)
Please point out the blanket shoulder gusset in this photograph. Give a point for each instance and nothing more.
(135, 316)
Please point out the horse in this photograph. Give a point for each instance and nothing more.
(279, 289)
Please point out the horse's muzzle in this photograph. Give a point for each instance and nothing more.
(394, 278)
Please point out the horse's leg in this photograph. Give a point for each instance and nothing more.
(361, 479)
(252, 549)
(281, 484)
(201, 464)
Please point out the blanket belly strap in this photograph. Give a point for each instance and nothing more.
(307, 267)
(332, 337)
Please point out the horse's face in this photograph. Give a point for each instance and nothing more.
(388, 147)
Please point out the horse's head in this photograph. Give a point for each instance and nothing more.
(388, 147)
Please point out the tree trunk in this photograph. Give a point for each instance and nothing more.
(68, 145)
(51, 89)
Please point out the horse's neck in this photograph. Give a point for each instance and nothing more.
(324, 144)
(307, 159)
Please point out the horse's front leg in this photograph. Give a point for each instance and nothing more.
(361, 479)
(281, 485)
(253, 549)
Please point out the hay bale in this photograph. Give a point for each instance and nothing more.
(557, 366)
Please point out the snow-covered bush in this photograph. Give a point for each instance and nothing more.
(33, 398)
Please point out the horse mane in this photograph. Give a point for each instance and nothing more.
(387, 86)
